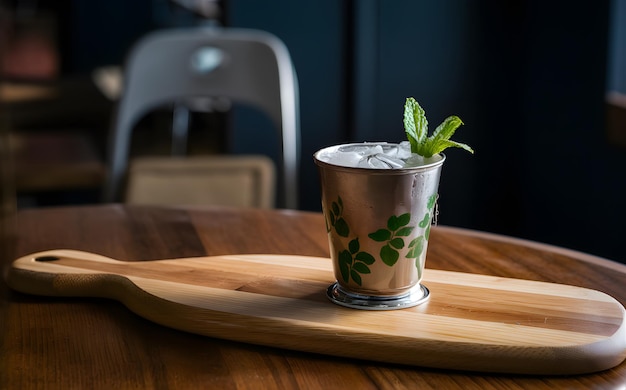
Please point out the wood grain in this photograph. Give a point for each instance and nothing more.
(68, 343)
(471, 322)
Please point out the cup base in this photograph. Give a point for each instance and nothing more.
(417, 295)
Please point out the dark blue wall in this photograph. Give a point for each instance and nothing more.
(617, 49)
(527, 77)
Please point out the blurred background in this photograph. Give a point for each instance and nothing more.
(540, 86)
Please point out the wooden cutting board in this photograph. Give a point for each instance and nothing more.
(471, 322)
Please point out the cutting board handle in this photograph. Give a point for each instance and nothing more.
(81, 274)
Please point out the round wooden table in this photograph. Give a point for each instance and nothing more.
(48, 342)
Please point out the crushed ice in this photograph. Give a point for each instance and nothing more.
(374, 155)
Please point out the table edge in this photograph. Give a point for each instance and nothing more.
(578, 255)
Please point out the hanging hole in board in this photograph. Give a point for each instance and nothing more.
(46, 258)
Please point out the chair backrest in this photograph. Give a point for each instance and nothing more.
(246, 66)
(201, 180)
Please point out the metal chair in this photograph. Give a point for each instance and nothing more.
(181, 66)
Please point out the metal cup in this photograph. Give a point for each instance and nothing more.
(378, 223)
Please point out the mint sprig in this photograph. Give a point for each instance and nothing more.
(416, 129)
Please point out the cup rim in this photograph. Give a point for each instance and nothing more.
(374, 171)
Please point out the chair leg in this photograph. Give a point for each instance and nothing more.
(180, 130)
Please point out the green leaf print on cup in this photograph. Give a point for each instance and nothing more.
(352, 263)
(392, 237)
(416, 246)
(428, 218)
(336, 219)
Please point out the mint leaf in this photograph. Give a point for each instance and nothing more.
(442, 145)
(416, 129)
(440, 139)
(447, 128)
(415, 123)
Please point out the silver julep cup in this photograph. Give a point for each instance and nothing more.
(378, 223)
